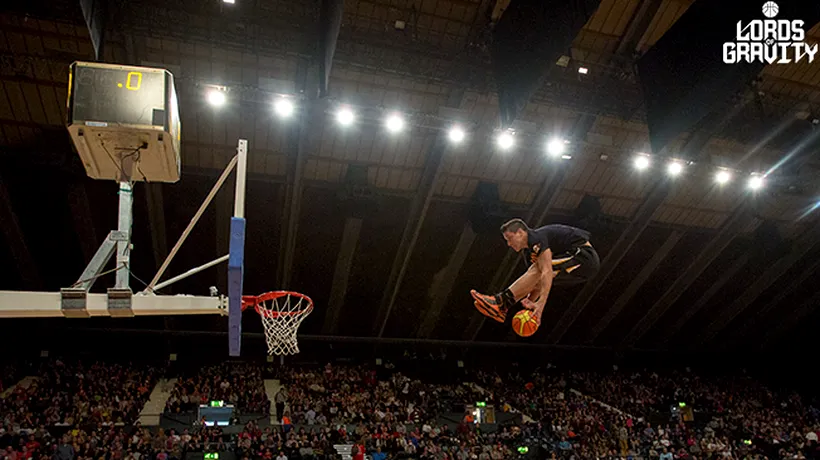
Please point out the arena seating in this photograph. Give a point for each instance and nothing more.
(88, 410)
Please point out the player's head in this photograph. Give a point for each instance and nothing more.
(515, 232)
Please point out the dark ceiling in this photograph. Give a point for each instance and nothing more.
(687, 265)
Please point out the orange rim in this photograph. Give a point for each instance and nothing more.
(258, 302)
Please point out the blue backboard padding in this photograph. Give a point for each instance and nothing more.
(236, 268)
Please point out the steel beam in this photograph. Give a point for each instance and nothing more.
(298, 140)
(418, 210)
(739, 220)
(633, 286)
(693, 149)
(444, 281)
(341, 274)
(637, 26)
(799, 248)
(752, 324)
(805, 309)
(704, 299)
(330, 20)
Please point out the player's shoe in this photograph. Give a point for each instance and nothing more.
(490, 305)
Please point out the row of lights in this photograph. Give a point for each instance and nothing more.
(675, 167)
(505, 140)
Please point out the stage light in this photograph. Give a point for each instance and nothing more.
(345, 117)
(283, 107)
(394, 123)
(756, 182)
(583, 70)
(456, 134)
(556, 147)
(216, 97)
(230, 2)
(505, 140)
(641, 162)
(723, 176)
(674, 168)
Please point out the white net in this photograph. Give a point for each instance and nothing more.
(281, 315)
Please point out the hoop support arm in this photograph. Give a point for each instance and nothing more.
(25, 304)
(193, 222)
(190, 272)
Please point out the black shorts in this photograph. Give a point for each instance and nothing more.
(585, 258)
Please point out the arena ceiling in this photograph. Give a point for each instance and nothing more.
(388, 233)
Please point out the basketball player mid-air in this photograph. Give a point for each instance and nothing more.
(554, 254)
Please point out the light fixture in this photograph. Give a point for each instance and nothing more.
(283, 107)
(216, 97)
(566, 157)
(345, 116)
(641, 162)
(505, 140)
(723, 176)
(674, 168)
(756, 182)
(556, 147)
(230, 2)
(394, 123)
(583, 70)
(456, 134)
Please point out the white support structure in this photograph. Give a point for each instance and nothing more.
(27, 304)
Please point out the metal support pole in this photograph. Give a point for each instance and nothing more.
(193, 222)
(124, 226)
(190, 272)
(241, 175)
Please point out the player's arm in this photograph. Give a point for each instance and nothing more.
(544, 264)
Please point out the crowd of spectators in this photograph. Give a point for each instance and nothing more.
(77, 411)
(75, 393)
(240, 384)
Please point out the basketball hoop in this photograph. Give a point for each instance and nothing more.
(281, 312)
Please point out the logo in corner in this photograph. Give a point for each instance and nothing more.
(769, 41)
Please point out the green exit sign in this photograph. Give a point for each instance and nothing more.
(217, 403)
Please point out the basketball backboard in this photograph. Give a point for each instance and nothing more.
(117, 142)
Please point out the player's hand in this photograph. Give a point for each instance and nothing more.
(529, 304)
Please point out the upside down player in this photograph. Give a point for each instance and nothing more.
(555, 255)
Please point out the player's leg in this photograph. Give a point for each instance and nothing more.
(496, 306)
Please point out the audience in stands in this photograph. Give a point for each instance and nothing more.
(73, 393)
(239, 384)
(77, 411)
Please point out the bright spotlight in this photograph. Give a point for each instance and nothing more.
(283, 107)
(583, 70)
(723, 176)
(230, 2)
(556, 147)
(641, 162)
(345, 117)
(505, 140)
(394, 123)
(674, 168)
(756, 182)
(456, 134)
(216, 97)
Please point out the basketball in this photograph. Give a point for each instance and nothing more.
(770, 9)
(524, 323)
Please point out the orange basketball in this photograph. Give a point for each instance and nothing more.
(524, 323)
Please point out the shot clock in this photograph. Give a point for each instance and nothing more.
(124, 122)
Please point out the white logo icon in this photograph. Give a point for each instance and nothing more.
(770, 41)
(770, 9)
